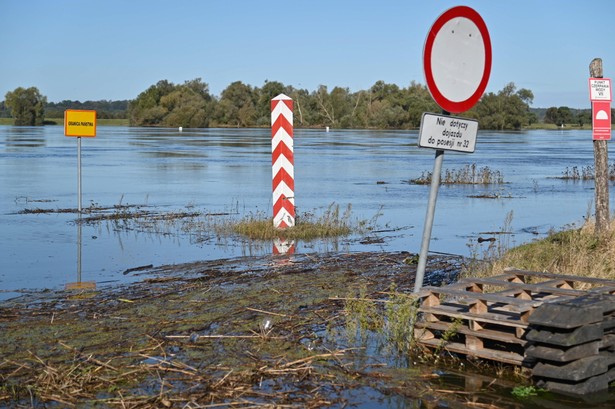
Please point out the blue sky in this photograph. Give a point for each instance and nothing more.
(110, 49)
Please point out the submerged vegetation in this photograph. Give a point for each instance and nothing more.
(468, 175)
(257, 332)
(308, 226)
(201, 225)
(575, 173)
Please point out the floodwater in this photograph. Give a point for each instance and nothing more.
(229, 171)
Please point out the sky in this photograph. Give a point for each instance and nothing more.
(115, 49)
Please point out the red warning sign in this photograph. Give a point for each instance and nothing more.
(601, 120)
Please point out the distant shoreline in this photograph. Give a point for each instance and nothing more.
(124, 122)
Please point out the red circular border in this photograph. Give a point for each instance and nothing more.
(441, 100)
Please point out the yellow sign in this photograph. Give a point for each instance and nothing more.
(78, 122)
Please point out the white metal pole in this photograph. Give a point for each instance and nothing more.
(79, 171)
(431, 210)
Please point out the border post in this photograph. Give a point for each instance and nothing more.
(283, 162)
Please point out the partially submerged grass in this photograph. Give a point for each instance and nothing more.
(202, 226)
(583, 173)
(468, 175)
(308, 226)
(577, 251)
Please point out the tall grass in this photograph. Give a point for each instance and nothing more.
(583, 173)
(576, 251)
(308, 226)
(468, 175)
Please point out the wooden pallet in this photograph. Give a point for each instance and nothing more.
(488, 318)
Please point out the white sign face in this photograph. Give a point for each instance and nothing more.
(599, 89)
(448, 133)
(457, 59)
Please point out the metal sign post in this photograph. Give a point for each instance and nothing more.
(79, 123)
(79, 173)
(457, 65)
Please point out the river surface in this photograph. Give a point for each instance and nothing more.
(228, 171)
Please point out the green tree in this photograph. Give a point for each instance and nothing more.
(165, 104)
(508, 109)
(27, 106)
(270, 90)
(237, 105)
(561, 116)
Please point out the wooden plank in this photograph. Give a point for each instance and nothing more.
(534, 288)
(490, 318)
(515, 303)
(581, 279)
(499, 336)
(501, 356)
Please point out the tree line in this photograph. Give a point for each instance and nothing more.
(382, 106)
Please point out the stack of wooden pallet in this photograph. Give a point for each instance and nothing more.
(526, 318)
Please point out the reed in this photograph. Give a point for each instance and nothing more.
(583, 173)
(309, 226)
(468, 175)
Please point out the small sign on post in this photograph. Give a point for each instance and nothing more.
(79, 123)
(448, 133)
(600, 89)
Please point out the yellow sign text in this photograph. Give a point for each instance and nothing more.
(79, 122)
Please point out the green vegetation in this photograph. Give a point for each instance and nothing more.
(575, 251)
(382, 106)
(104, 109)
(575, 173)
(27, 106)
(526, 391)
(308, 226)
(468, 175)
(204, 225)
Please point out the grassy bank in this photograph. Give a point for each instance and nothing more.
(576, 251)
(60, 121)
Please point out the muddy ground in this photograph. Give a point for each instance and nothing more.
(248, 332)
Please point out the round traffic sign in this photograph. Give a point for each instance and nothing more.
(457, 59)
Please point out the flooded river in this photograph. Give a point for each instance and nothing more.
(228, 171)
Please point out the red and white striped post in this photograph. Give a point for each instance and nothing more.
(283, 161)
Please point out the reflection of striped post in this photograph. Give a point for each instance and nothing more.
(283, 162)
(281, 246)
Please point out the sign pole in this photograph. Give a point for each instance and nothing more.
(79, 172)
(601, 159)
(431, 210)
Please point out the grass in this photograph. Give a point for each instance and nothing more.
(203, 226)
(585, 173)
(576, 251)
(468, 175)
(307, 227)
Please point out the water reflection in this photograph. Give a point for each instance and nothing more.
(79, 284)
(23, 137)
